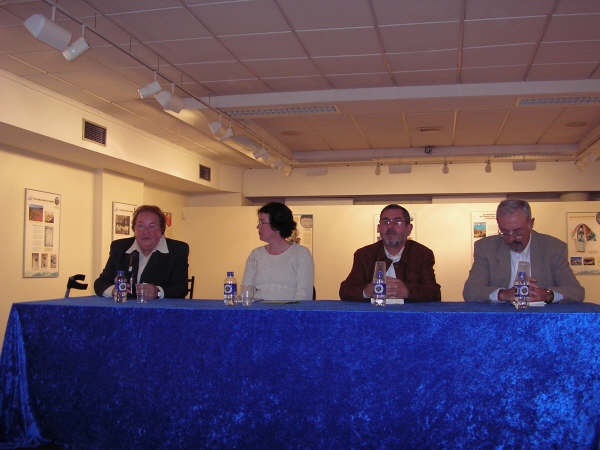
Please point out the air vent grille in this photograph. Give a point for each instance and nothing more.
(205, 172)
(532, 101)
(284, 111)
(93, 132)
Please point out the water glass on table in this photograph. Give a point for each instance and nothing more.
(141, 293)
(246, 295)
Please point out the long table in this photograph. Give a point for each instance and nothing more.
(88, 373)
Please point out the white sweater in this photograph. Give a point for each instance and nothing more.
(287, 276)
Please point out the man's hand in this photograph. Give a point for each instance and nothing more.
(506, 295)
(395, 288)
(537, 293)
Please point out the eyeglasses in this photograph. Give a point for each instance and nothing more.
(395, 221)
(150, 226)
(260, 222)
(513, 233)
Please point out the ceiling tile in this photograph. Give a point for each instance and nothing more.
(572, 125)
(483, 9)
(263, 46)
(573, 28)
(282, 67)
(223, 18)
(350, 64)
(18, 39)
(299, 83)
(338, 131)
(438, 59)
(418, 37)
(355, 41)
(384, 131)
(118, 6)
(361, 80)
(578, 7)
(416, 11)
(317, 14)
(499, 74)
(501, 55)
(216, 71)
(442, 120)
(423, 77)
(544, 72)
(235, 87)
(503, 31)
(478, 127)
(14, 65)
(161, 25)
(526, 126)
(562, 52)
(191, 50)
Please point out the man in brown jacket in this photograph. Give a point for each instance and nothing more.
(409, 265)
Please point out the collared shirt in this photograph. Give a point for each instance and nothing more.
(143, 261)
(391, 272)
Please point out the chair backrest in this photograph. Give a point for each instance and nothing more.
(314, 293)
(191, 286)
(74, 283)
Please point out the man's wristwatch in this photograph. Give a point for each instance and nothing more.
(550, 293)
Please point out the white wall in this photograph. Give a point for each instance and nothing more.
(222, 237)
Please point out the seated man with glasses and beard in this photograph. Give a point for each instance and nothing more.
(409, 265)
(496, 260)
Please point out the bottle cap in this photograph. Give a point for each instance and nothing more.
(379, 273)
(229, 274)
(120, 272)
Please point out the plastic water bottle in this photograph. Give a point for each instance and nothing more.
(229, 289)
(379, 289)
(521, 291)
(120, 292)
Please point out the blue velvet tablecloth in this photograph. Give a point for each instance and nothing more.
(87, 373)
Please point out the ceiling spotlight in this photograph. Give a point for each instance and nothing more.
(488, 166)
(260, 153)
(378, 168)
(219, 131)
(77, 47)
(150, 89)
(445, 168)
(169, 101)
(47, 31)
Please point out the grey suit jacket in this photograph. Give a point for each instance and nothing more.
(549, 266)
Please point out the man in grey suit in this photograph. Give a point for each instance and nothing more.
(496, 259)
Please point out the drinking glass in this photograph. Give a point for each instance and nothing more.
(247, 295)
(140, 293)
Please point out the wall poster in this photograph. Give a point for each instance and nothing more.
(303, 234)
(41, 234)
(483, 224)
(582, 241)
(122, 220)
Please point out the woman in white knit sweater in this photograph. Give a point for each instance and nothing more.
(280, 270)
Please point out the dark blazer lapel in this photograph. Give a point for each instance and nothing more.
(535, 257)
(153, 266)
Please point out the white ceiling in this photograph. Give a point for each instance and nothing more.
(400, 75)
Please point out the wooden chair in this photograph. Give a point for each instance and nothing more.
(191, 286)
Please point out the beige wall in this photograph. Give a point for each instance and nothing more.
(222, 237)
(86, 220)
